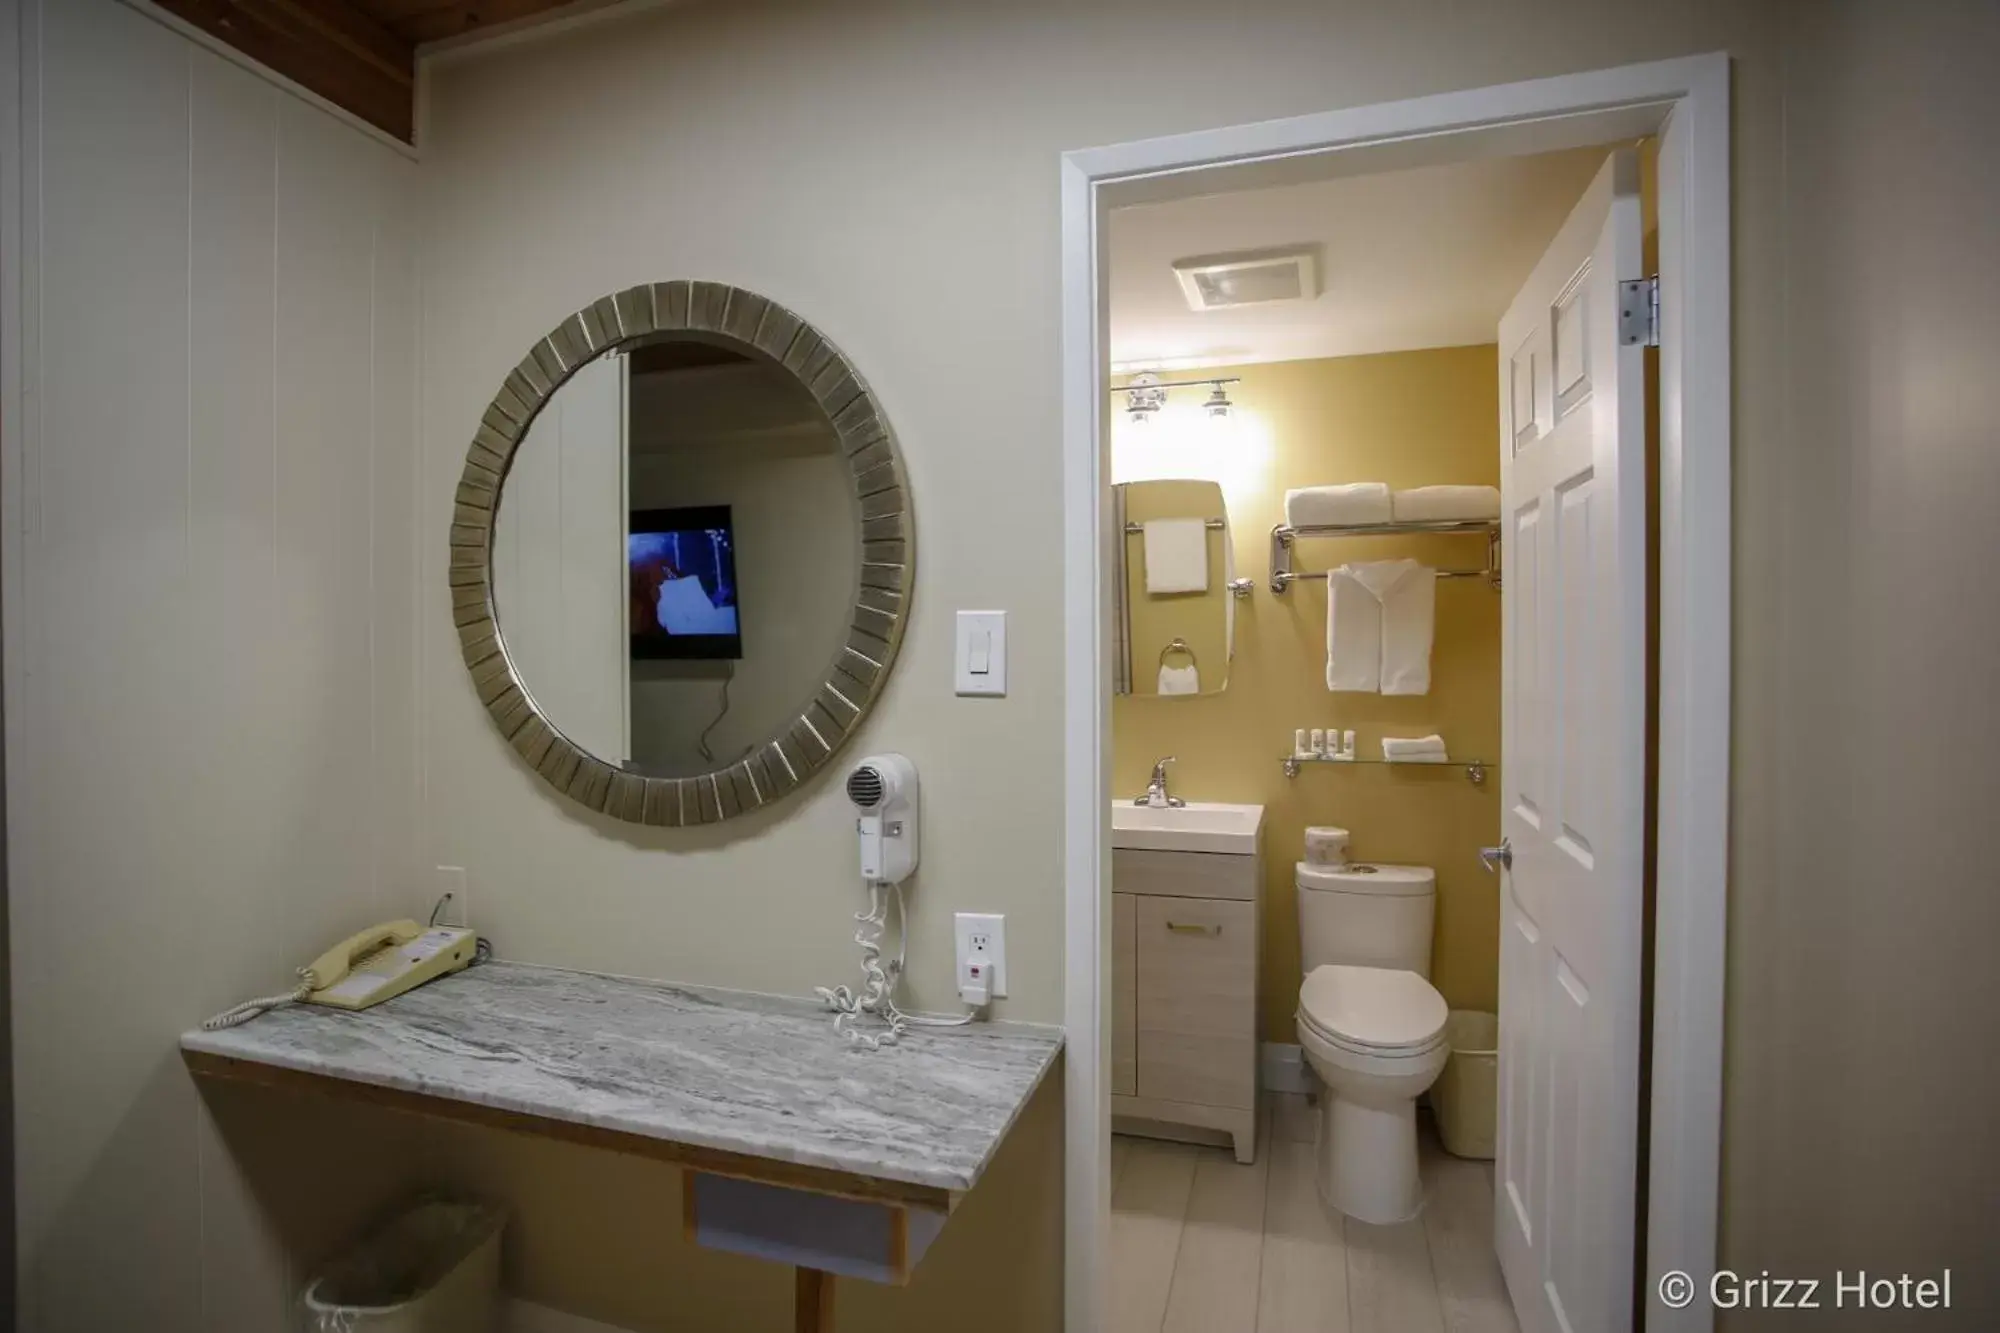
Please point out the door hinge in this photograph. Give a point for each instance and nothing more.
(1639, 312)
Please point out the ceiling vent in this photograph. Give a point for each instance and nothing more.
(1251, 277)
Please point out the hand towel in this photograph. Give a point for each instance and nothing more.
(1445, 504)
(1353, 634)
(1323, 506)
(1176, 555)
(1414, 749)
(1405, 597)
(1180, 680)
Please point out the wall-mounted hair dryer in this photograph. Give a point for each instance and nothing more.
(883, 788)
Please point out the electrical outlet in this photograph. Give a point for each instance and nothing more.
(982, 932)
(455, 909)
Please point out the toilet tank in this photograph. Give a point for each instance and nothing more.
(1366, 916)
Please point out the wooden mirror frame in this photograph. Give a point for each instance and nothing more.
(765, 331)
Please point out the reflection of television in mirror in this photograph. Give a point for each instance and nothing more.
(683, 569)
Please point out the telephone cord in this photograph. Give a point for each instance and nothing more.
(249, 1009)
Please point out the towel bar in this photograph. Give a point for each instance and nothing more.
(1284, 535)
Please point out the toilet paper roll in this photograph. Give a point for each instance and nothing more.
(1326, 846)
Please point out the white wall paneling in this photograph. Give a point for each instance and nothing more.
(211, 552)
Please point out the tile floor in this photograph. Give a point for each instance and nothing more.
(1202, 1245)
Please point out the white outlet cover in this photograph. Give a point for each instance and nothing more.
(965, 925)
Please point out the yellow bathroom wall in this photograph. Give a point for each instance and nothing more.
(1410, 419)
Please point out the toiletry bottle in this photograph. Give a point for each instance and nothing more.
(1347, 744)
(1299, 750)
(1318, 741)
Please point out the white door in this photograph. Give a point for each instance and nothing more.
(559, 567)
(1573, 700)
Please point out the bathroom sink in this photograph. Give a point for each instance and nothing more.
(1198, 826)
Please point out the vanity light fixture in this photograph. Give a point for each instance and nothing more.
(1144, 397)
(1146, 393)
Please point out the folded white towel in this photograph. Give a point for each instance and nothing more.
(1180, 680)
(1322, 506)
(1414, 749)
(1353, 635)
(1176, 555)
(1445, 504)
(1380, 618)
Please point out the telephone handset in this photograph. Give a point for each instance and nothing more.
(383, 961)
(367, 968)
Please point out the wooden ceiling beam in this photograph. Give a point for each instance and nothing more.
(327, 46)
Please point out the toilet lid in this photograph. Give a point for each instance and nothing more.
(1385, 1008)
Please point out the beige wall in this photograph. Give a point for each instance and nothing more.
(1864, 1005)
(1410, 419)
(210, 561)
(888, 169)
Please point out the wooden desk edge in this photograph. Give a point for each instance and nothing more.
(716, 1161)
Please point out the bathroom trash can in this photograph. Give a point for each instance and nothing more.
(1465, 1095)
(435, 1268)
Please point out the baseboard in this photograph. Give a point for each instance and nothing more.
(1281, 1067)
(527, 1317)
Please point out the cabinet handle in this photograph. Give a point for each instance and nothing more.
(1192, 928)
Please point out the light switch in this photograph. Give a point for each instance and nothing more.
(981, 658)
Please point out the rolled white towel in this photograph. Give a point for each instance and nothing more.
(1180, 680)
(1414, 749)
(1326, 506)
(1445, 504)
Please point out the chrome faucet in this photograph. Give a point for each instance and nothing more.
(1157, 796)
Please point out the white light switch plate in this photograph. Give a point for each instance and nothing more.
(992, 928)
(980, 659)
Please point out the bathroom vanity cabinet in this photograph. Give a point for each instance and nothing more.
(1185, 929)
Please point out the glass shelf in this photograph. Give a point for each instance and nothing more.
(1475, 769)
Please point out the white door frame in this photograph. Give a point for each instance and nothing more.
(1694, 612)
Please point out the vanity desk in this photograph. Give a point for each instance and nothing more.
(795, 1146)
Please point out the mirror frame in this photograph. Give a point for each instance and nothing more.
(758, 327)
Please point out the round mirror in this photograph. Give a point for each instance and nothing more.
(681, 553)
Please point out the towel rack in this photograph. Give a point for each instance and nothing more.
(1212, 524)
(1285, 535)
(1238, 588)
(1179, 645)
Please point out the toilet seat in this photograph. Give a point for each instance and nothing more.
(1373, 1011)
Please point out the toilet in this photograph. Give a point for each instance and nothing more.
(1371, 1026)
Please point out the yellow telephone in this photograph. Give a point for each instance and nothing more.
(367, 968)
(383, 961)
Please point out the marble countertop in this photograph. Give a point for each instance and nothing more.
(760, 1075)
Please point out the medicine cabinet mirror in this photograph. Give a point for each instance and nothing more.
(1176, 589)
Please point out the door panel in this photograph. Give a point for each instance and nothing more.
(1573, 733)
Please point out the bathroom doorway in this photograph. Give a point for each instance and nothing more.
(1201, 1234)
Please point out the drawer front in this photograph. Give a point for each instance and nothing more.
(1187, 874)
(1197, 967)
(1124, 995)
(1208, 1071)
